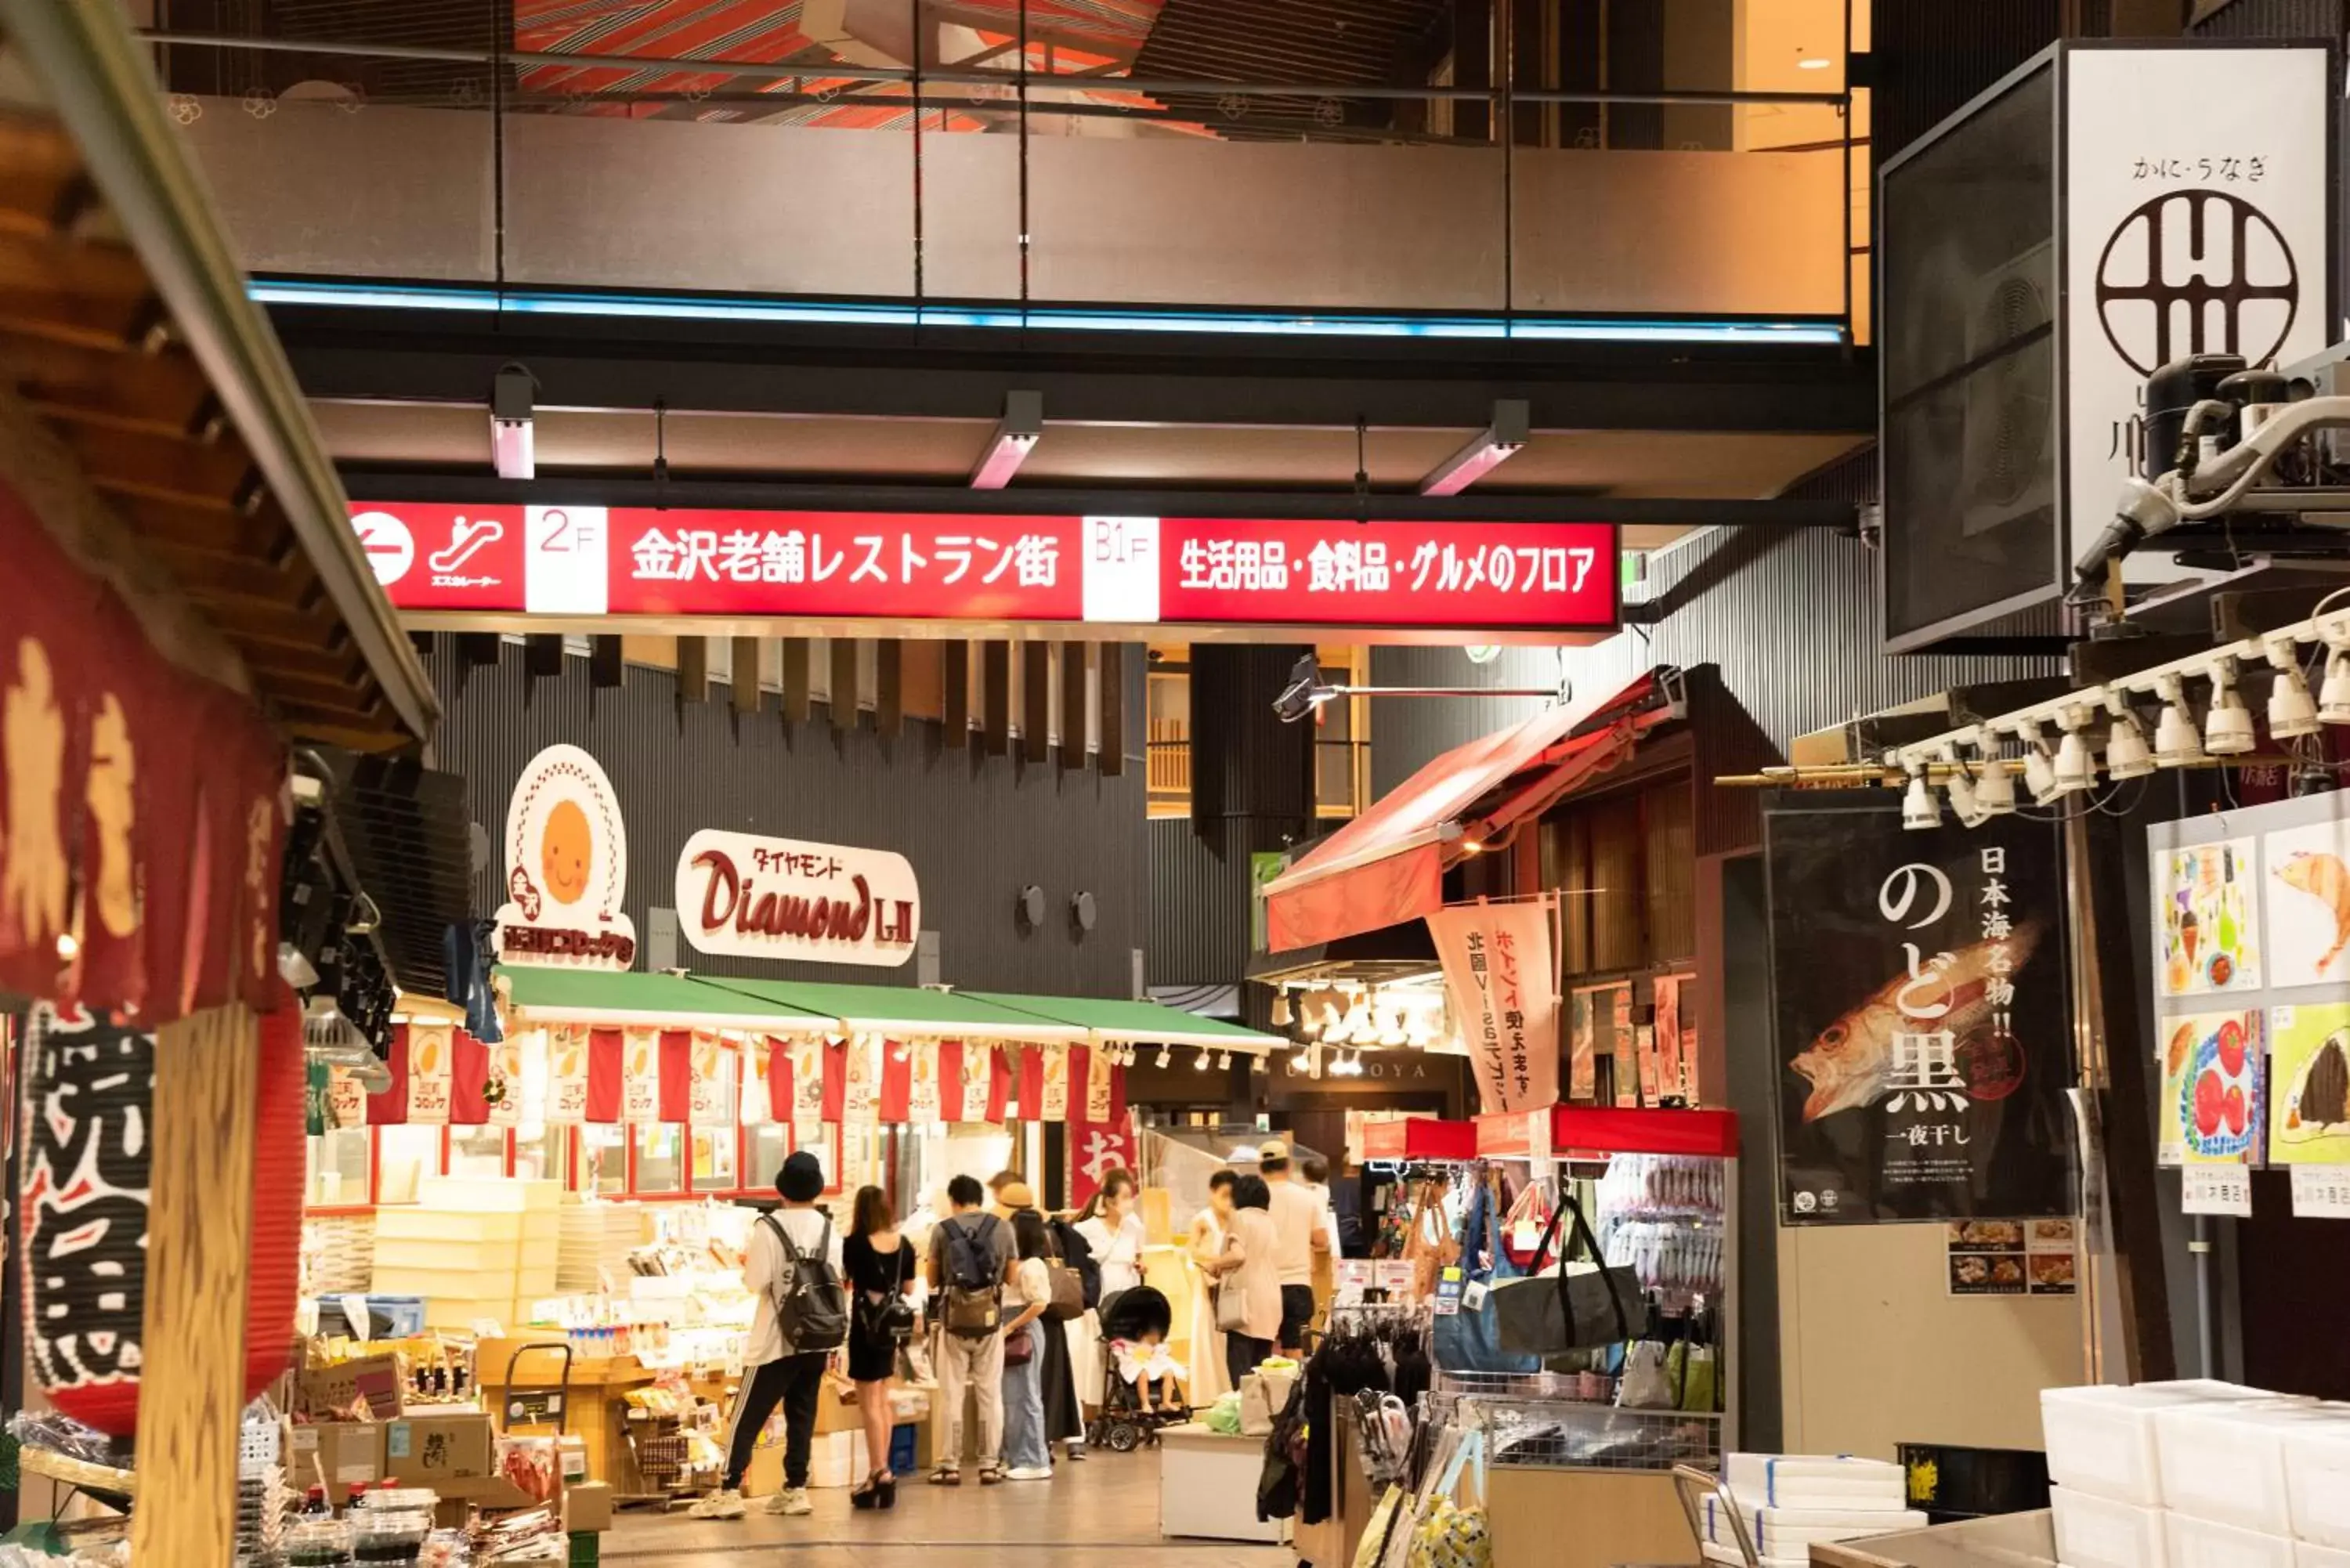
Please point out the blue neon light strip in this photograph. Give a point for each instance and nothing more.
(406, 296)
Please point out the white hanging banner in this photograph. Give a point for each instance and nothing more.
(1498, 972)
(707, 1107)
(922, 1107)
(430, 1058)
(860, 1101)
(641, 1077)
(756, 1109)
(1056, 1082)
(1099, 1069)
(566, 1074)
(807, 1092)
(2196, 221)
(345, 1100)
(504, 1091)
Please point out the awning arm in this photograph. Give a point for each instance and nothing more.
(96, 77)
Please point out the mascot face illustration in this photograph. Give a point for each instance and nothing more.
(565, 851)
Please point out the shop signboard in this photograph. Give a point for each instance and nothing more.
(1921, 1013)
(742, 895)
(1522, 580)
(431, 1064)
(1499, 971)
(567, 859)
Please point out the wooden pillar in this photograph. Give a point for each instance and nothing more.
(1076, 713)
(995, 696)
(796, 681)
(843, 683)
(888, 685)
(742, 674)
(1113, 708)
(1035, 700)
(694, 669)
(199, 1251)
(954, 693)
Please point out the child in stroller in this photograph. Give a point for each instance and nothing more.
(1134, 1328)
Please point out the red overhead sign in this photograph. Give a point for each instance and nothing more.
(587, 562)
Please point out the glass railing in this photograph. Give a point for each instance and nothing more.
(1093, 162)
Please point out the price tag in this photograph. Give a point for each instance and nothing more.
(2321, 1192)
(1448, 1293)
(1472, 1296)
(2217, 1190)
(1525, 1235)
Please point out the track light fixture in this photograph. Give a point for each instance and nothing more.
(1166, 1055)
(2075, 766)
(2177, 743)
(2228, 728)
(1199, 1065)
(2291, 711)
(2039, 772)
(1994, 789)
(1920, 811)
(2127, 755)
(1280, 1014)
(2333, 697)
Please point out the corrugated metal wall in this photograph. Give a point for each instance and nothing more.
(1931, 55)
(2275, 19)
(977, 829)
(1791, 618)
(1198, 922)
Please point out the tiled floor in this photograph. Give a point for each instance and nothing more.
(1098, 1514)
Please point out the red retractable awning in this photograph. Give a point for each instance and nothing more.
(1388, 865)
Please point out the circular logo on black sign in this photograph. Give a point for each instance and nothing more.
(2195, 272)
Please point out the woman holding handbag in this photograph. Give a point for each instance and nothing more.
(1209, 1377)
(1248, 1279)
(1026, 1455)
(879, 1266)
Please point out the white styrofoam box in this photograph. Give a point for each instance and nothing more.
(2095, 1532)
(418, 1222)
(1838, 1480)
(837, 1459)
(487, 1194)
(2100, 1437)
(2200, 1544)
(2317, 1480)
(2226, 1462)
(2306, 1554)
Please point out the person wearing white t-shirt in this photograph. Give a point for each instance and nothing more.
(773, 1373)
(1298, 1235)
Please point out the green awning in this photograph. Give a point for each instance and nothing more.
(899, 1010)
(1136, 1023)
(549, 995)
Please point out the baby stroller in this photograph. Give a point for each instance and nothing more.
(1123, 1426)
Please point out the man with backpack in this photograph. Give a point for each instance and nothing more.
(971, 1258)
(793, 1268)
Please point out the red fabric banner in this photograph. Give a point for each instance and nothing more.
(389, 1109)
(604, 1064)
(896, 1080)
(676, 1075)
(469, 1075)
(950, 1109)
(779, 1080)
(835, 1081)
(1031, 1083)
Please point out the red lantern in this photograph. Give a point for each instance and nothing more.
(89, 1106)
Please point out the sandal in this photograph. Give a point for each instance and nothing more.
(867, 1495)
(990, 1475)
(946, 1475)
(886, 1485)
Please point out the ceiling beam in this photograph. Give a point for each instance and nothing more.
(1332, 504)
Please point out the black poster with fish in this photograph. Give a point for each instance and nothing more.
(1920, 1013)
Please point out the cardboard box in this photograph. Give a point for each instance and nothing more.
(432, 1450)
(326, 1391)
(335, 1455)
(587, 1508)
(836, 1410)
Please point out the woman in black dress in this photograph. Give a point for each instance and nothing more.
(880, 1269)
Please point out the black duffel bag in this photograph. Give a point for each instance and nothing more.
(1574, 1307)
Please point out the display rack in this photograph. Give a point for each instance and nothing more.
(1536, 1418)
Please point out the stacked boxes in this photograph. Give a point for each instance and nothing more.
(1788, 1503)
(473, 1248)
(2197, 1475)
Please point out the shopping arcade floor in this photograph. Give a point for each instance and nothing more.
(1087, 1514)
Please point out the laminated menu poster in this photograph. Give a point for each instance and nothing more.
(2014, 1257)
(2210, 1110)
(2309, 1084)
(1919, 1013)
(2207, 904)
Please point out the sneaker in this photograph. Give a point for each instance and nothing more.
(726, 1504)
(1029, 1472)
(1078, 1451)
(791, 1503)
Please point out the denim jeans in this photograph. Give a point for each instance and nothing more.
(1023, 1410)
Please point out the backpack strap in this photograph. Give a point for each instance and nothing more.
(791, 1254)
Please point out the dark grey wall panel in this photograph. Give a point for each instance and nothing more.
(976, 827)
(1791, 618)
(1198, 922)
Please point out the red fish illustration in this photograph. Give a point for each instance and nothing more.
(2325, 879)
(1851, 1062)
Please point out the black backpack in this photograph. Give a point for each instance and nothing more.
(974, 1287)
(811, 1304)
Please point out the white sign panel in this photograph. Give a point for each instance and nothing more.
(2195, 221)
(567, 856)
(1499, 972)
(746, 897)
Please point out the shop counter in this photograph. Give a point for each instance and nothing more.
(1207, 1486)
(1620, 1516)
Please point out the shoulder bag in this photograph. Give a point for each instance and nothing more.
(1231, 1299)
(1470, 1339)
(1576, 1307)
(1449, 1533)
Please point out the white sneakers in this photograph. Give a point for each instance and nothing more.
(792, 1502)
(1029, 1472)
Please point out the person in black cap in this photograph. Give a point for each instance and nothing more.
(774, 1373)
